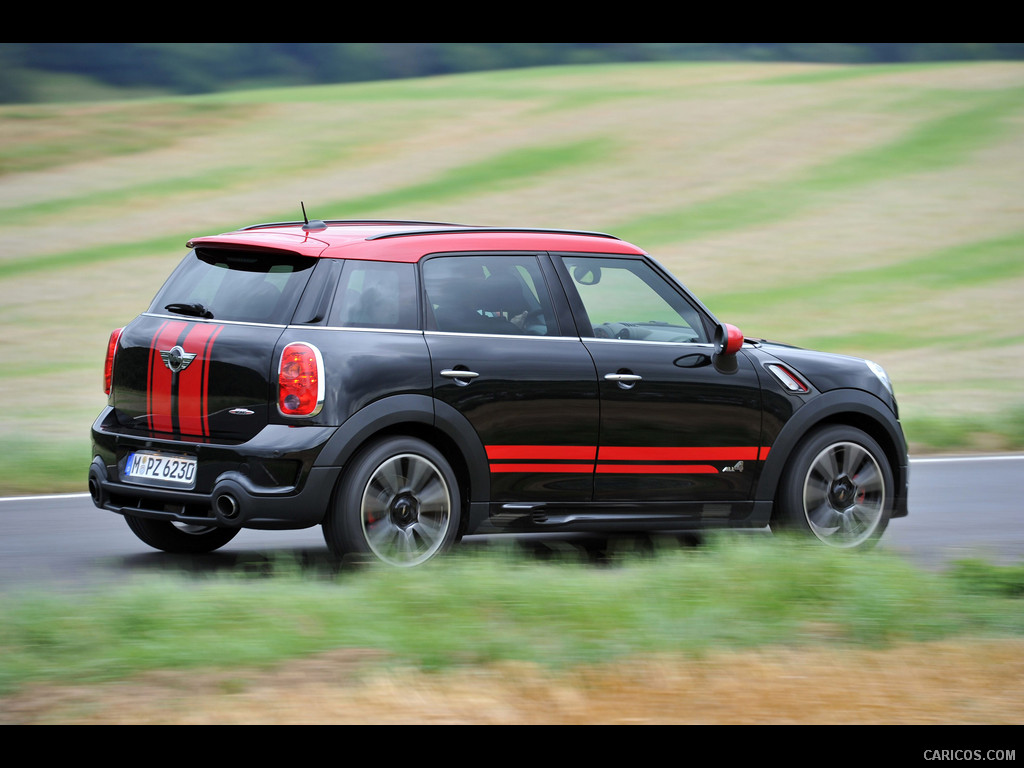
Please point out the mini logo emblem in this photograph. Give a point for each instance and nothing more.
(177, 359)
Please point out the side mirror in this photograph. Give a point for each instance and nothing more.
(728, 339)
(586, 275)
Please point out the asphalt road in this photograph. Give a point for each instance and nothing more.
(959, 508)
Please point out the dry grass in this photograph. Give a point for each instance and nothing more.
(940, 683)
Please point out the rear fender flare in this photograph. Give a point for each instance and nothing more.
(420, 410)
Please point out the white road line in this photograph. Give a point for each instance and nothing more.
(44, 498)
(938, 459)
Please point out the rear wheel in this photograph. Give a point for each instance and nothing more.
(398, 501)
(838, 488)
(179, 537)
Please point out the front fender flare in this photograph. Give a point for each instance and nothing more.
(852, 406)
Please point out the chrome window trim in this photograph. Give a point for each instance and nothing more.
(351, 328)
(602, 340)
(214, 321)
(522, 336)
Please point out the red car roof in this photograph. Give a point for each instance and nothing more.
(409, 241)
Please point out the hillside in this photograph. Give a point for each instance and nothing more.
(873, 211)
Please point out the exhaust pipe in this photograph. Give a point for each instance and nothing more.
(226, 506)
(97, 476)
(95, 491)
(229, 500)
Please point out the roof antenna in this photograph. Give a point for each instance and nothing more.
(310, 225)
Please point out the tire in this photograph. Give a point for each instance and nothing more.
(838, 488)
(179, 538)
(398, 502)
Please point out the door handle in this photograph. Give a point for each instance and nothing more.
(462, 377)
(623, 380)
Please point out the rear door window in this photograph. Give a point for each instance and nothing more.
(376, 294)
(495, 294)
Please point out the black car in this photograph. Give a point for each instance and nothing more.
(405, 383)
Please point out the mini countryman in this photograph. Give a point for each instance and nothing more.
(402, 384)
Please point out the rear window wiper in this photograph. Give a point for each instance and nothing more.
(195, 310)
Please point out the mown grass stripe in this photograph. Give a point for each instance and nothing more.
(937, 143)
(91, 256)
(837, 73)
(508, 170)
(511, 169)
(965, 265)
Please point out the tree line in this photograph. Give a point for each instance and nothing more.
(207, 67)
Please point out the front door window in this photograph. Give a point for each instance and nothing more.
(673, 427)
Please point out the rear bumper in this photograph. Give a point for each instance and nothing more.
(268, 482)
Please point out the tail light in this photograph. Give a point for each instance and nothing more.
(108, 367)
(300, 384)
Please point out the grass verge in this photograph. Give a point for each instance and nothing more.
(476, 609)
(998, 432)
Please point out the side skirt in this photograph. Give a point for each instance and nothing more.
(653, 516)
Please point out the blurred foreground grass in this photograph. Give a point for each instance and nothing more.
(474, 609)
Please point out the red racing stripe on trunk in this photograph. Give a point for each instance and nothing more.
(208, 354)
(161, 380)
(193, 382)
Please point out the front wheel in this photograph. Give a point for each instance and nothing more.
(398, 501)
(838, 487)
(179, 538)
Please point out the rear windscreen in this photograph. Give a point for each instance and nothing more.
(235, 285)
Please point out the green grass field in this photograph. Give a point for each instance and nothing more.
(873, 211)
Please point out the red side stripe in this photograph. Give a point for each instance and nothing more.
(568, 452)
(611, 459)
(542, 467)
(656, 469)
(638, 453)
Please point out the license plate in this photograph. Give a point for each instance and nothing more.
(160, 469)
